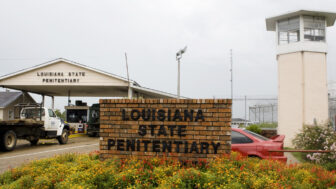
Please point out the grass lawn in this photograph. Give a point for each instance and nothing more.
(298, 155)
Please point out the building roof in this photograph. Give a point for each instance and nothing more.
(98, 84)
(6, 98)
(69, 62)
(271, 21)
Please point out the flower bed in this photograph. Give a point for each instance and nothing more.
(234, 171)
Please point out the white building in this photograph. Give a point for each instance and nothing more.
(62, 77)
(302, 69)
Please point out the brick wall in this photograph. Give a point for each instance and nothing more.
(186, 129)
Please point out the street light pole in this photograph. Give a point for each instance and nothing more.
(178, 58)
(231, 73)
(178, 78)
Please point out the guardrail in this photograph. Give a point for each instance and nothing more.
(307, 151)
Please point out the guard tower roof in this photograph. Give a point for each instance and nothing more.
(271, 22)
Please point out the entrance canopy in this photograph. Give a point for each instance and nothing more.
(62, 77)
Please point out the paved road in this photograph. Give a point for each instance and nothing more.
(24, 152)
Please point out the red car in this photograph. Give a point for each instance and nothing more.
(254, 145)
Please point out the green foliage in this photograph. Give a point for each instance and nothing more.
(331, 166)
(268, 125)
(318, 138)
(60, 114)
(298, 155)
(228, 171)
(254, 128)
(263, 125)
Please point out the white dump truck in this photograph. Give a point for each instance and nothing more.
(34, 123)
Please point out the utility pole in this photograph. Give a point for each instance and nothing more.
(231, 73)
(129, 86)
(250, 113)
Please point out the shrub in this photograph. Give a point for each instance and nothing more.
(262, 125)
(268, 125)
(254, 128)
(318, 138)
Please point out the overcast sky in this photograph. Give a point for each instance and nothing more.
(98, 33)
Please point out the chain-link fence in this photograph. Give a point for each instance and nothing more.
(256, 109)
(264, 113)
(265, 109)
(332, 110)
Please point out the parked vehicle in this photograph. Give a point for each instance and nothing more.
(77, 116)
(93, 123)
(34, 122)
(254, 145)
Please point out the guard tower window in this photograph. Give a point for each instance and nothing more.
(289, 30)
(314, 28)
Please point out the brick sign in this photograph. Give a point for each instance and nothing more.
(186, 129)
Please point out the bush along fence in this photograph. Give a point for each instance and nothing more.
(187, 129)
(320, 138)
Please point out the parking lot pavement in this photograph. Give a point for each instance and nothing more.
(24, 152)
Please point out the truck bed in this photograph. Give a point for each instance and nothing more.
(22, 122)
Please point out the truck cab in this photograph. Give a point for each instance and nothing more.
(51, 123)
(34, 123)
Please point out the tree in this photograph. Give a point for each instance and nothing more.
(60, 114)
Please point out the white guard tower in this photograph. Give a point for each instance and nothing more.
(302, 69)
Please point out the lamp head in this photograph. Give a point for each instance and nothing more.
(180, 52)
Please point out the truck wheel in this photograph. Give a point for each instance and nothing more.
(8, 141)
(63, 139)
(34, 141)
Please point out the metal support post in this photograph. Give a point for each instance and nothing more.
(263, 110)
(52, 102)
(130, 93)
(259, 113)
(69, 101)
(245, 109)
(231, 60)
(255, 113)
(272, 113)
(178, 58)
(249, 113)
(178, 78)
(43, 97)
